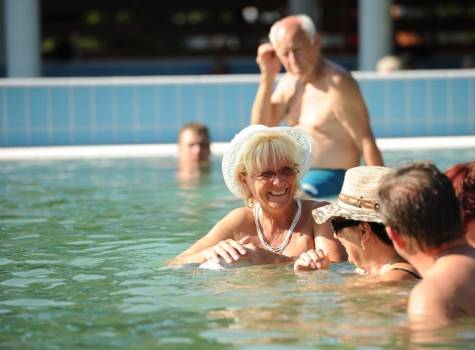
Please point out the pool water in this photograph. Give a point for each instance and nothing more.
(82, 266)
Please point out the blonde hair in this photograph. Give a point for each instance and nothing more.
(263, 151)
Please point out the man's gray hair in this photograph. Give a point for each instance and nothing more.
(305, 22)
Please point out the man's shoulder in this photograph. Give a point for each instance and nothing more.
(425, 289)
(427, 300)
(286, 85)
(287, 80)
(446, 284)
(339, 77)
(426, 308)
(336, 67)
(336, 70)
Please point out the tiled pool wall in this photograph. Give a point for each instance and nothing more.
(85, 111)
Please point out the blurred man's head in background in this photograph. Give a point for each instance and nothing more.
(193, 144)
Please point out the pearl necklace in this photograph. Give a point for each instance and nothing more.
(280, 248)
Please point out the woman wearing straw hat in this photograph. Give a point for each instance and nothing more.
(263, 166)
(357, 224)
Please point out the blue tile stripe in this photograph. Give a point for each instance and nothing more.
(37, 112)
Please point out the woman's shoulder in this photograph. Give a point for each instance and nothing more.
(236, 220)
(313, 204)
(400, 271)
(240, 213)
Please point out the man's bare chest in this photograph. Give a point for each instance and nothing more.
(313, 109)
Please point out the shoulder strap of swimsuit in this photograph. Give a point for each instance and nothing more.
(399, 268)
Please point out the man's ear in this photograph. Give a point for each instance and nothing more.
(398, 241)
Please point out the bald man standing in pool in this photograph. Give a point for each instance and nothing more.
(318, 96)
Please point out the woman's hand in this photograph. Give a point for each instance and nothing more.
(312, 260)
(229, 250)
(243, 252)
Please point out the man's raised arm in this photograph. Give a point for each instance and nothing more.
(263, 110)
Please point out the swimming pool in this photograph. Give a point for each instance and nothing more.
(83, 247)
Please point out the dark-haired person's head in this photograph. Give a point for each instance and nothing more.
(418, 201)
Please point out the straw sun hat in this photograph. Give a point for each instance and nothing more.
(233, 152)
(358, 199)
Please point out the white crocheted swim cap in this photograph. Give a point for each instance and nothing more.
(233, 152)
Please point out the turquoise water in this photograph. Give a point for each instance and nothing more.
(82, 266)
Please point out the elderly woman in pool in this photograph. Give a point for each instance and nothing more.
(358, 226)
(263, 166)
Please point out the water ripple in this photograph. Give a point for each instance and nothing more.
(88, 277)
(5, 261)
(35, 302)
(22, 221)
(86, 262)
(41, 262)
(32, 273)
(25, 282)
(82, 242)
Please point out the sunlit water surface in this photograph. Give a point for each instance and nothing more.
(82, 265)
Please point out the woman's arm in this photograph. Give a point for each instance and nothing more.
(224, 230)
(325, 240)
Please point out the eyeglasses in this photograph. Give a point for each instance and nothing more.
(338, 225)
(269, 175)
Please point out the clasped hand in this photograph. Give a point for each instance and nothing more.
(230, 250)
(312, 260)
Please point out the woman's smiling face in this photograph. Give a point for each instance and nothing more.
(274, 187)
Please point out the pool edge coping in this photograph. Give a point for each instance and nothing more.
(217, 148)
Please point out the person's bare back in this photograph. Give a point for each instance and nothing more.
(447, 290)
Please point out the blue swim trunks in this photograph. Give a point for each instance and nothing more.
(323, 182)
